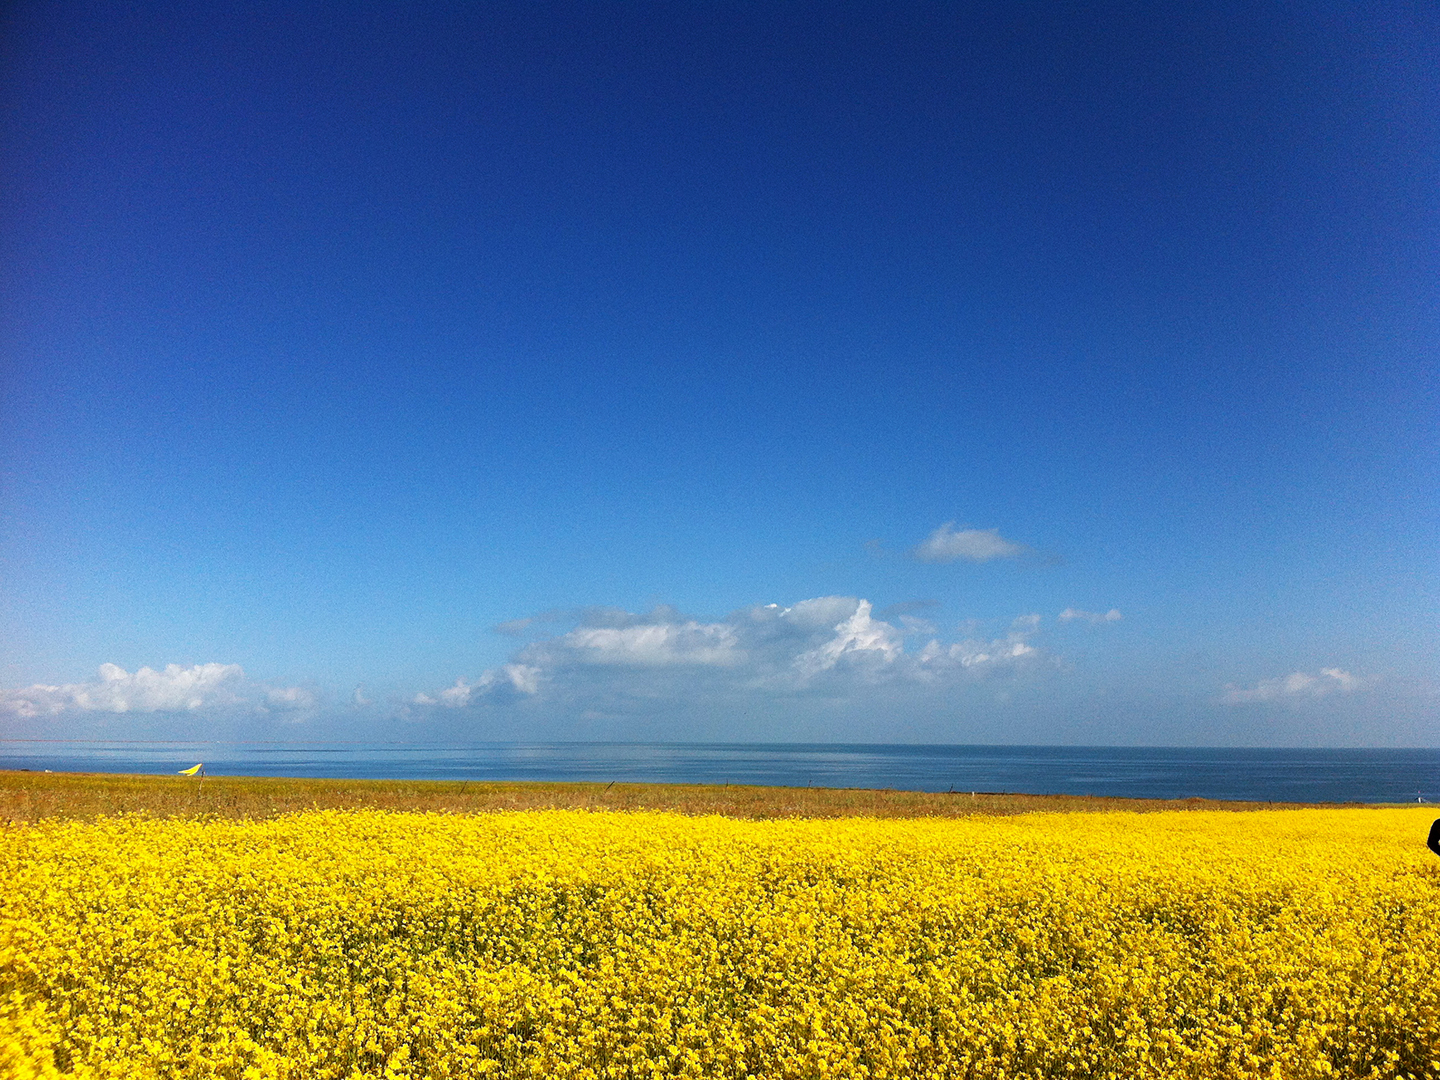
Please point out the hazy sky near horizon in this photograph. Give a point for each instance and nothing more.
(1038, 373)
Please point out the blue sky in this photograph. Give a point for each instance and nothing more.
(336, 337)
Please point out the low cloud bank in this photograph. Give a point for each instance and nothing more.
(176, 689)
(831, 644)
(516, 679)
(1297, 686)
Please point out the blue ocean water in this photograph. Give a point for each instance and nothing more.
(1135, 772)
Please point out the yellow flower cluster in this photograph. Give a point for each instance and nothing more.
(1284, 944)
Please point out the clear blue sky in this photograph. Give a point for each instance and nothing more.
(335, 337)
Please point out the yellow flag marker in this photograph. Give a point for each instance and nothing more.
(192, 770)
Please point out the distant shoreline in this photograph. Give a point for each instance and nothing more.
(30, 795)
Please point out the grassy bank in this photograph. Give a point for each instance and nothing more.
(36, 796)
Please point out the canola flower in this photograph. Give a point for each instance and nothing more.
(1284, 944)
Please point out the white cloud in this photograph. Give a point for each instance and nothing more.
(290, 698)
(935, 659)
(176, 689)
(913, 626)
(522, 677)
(515, 678)
(655, 643)
(457, 695)
(947, 544)
(1071, 614)
(859, 637)
(828, 642)
(1297, 686)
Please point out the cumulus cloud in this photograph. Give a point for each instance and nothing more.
(948, 544)
(290, 698)
(176, 689)
(1297, 686)
(655, 644)
(1071, 614)
(860, 637)
(507, 680)
(935, 659)
(829, 643)
(913, 626)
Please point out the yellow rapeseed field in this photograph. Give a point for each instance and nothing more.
(1290, 944)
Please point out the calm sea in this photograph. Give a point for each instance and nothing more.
(1137, 772)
